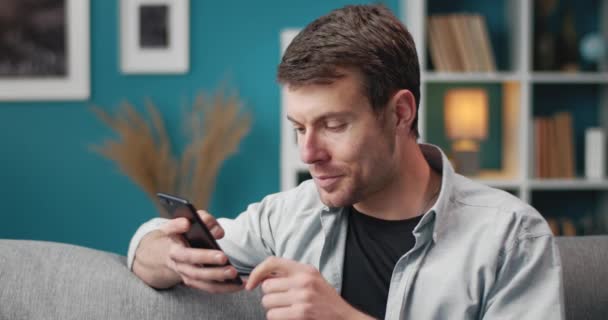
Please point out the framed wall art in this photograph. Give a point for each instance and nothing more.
(44, 50)
(155, 36)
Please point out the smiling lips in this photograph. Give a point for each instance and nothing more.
(326, 182)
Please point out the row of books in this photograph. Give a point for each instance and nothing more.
(562, 227)
(585, 225)
(460, 42)
(554, 146)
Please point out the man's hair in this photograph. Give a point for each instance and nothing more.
(368, 39)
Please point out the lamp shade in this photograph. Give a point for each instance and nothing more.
(466, 113)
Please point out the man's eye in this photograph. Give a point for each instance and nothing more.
(298, 130)
(336, 126)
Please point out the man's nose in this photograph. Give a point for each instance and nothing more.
(312, 148)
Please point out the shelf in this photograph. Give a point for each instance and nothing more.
(497, 179)
(500, 184)
(469, 77)
(560, 77)
(568, 184)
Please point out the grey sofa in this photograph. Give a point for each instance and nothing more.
(45, 280)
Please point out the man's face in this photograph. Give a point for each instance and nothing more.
(347, 146)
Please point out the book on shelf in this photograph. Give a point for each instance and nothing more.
(554, 146)
(538, 154)
(460, 42)
(483, 37)
(562, 227)
(595, 153)
(554, 226)
(563, 121)
(568, 228)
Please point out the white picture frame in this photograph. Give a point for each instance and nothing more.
(170, 54)
(74, 84)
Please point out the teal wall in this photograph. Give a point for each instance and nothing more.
(53, 188)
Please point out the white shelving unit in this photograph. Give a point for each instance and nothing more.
(291, 165)
(518, 97)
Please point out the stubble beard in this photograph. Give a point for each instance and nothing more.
(345, 195)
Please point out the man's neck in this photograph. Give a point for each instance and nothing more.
(413, 192)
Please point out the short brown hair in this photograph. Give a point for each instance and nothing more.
(366, 38)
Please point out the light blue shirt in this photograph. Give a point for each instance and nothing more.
(480, 253)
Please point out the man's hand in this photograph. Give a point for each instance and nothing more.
(294, 290)
(163, 259)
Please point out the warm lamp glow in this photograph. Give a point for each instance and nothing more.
(466, 114)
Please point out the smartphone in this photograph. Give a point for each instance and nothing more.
(199, 235)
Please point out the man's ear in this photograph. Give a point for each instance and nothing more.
(403, 104)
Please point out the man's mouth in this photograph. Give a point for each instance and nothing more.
(326, 181)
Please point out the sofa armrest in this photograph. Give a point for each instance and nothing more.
(47, 280)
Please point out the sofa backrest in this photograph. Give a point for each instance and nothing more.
(42, 280)
(585, 268)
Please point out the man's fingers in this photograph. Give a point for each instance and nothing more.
(206, 273)
(216, 230)
(271, 267)
(175, 226)
(212, 287)
(280, 313)
(275, 285)
(198, 256)
(276, 300)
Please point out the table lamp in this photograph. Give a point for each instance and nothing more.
(466, 123)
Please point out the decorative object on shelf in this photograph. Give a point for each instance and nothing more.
(595, 153)
(593, 48)
(154, 36)
(215, 126)
(466, 122)
(44, 50)
(567, 44)
(545, 41)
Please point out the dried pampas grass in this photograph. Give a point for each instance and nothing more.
(215, 126)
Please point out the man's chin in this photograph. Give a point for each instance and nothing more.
(334, 199)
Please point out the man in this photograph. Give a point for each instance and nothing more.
(386, 229)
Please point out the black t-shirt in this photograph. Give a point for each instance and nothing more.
(373, 247)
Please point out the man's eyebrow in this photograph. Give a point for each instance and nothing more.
(329, 115)
(292, 120)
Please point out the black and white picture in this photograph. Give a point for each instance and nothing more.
(44, 50)
(33, 38)
(154, 26)
(154, 36)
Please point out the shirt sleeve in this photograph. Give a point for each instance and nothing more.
(143, 230)
(250, 238)
(528, 282)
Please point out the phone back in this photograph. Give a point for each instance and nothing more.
(198, 236)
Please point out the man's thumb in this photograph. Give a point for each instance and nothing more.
(175, 226)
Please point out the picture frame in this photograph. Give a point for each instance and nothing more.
(45, 50)
(155, 36)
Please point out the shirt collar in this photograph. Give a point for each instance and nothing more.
(438, 214)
